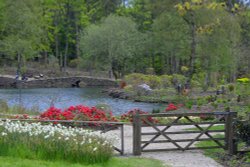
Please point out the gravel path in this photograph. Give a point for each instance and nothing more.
(189, 158)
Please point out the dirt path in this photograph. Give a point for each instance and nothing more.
(192, 158)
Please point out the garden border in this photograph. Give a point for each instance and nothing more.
(102, 126)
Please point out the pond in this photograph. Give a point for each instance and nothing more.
(64, 97)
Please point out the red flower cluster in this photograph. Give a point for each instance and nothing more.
(171, 107)
(129, 116)
(79, 112)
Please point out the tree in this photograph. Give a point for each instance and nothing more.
(171, 40)
(112, 43)
(218, 46)
(22, 29)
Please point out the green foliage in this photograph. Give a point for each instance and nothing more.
(113, 43)
(135, 79)
(166, 81)
(74, 63)
(22, 28)
(144, 36)
(199, 80)
(243, 131)
(179, 79)
(231, 87)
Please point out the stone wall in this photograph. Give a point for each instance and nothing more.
(65, 82)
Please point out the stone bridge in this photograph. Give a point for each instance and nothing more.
(60, 82)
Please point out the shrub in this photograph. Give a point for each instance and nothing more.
(79, 112)
(199, 80)
(166, 81)
(47, 142)
(231, 87)
(179, 79)
(150, 71)
(153, 81)
(74, 63)
(171, 107)
(243, 131)
(128, 117)
(135, 79)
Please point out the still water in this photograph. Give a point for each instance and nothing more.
(65, 97)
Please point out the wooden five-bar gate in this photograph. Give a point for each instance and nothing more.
(144, 126)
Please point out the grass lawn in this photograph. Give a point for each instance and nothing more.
(220, 155)
(114, 162)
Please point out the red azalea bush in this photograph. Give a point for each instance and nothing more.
(79, 112)
(171, 107)
(128, 117)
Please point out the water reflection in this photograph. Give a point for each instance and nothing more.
(64, 97)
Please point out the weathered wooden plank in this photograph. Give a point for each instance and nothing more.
(162, 133)
(181, 140)
(176, 149)
(184, 114)
(183, 124)
(203, 131)
(230, 133)
(156, 136)
(206, 133)
(181, 132)
(136, 134)
(66, 121)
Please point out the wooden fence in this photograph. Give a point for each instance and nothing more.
(104, 127)
(160, 134)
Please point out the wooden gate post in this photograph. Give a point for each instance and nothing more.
(231, 145)
(136, 134)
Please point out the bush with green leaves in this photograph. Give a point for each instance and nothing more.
(179, 79)
(166, 81)
(199, 80)
(136, 79)
(153, 81)
(243, 131)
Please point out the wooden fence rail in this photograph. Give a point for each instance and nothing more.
(141, 121)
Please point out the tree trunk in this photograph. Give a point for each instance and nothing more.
(61, 62)
(77, 42)
(46, 58)
(193, 49)
(66, 55)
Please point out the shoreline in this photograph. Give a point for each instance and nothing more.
(58, 82)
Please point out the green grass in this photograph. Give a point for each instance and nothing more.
(213, 153)
(114, 162)
(217, 127)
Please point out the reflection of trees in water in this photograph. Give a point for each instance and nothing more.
(54, 98)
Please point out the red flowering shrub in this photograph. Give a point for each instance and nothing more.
(52, 114)
(129, 116)
(171, 107)
(79, 112)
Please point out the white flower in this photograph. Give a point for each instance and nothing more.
(47, 136)
(4, 134)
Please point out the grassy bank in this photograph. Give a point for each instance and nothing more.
(114, 162)
(221, 155)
